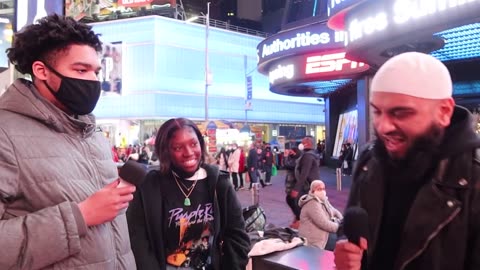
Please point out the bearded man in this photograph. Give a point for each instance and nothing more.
(419, 179)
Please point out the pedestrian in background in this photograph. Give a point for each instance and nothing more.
(318, 217)
(290, 161)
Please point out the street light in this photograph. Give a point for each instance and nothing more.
(207, 73)
(207, 28)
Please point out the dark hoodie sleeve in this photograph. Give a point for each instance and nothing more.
(236, 243)
(145, 258)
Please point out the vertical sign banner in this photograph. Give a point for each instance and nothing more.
(111, 74)
(248, 101)
(6, 33)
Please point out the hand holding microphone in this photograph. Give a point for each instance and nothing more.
(105, 204)
(349, 253)
(132, 173)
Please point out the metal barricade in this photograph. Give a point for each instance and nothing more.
(338, 173)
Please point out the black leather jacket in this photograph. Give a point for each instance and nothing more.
(442, 229)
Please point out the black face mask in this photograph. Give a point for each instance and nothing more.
(79, 96)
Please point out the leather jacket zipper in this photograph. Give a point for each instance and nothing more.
(430, 238)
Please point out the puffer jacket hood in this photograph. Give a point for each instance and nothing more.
(307, 198)
(44, 111)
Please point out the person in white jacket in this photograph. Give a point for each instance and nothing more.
(233, 165)
(318, 217)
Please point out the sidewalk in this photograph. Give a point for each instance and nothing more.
(272, 198)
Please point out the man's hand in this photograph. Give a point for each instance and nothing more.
(348, 256)
(104, 205)
(294, 193)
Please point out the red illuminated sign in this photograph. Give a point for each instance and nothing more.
(332, 64)
(314, 67)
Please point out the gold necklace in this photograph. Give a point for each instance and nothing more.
(183, 185)
(186, 202)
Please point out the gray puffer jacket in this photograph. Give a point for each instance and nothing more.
(317, 219)
(49, 162)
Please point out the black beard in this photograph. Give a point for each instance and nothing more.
(427, 143)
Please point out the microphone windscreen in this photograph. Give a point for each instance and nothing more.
(355, 224)
(133, 172)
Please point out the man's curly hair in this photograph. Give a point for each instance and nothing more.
(49, 36)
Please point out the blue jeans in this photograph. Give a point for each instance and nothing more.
(254, 176)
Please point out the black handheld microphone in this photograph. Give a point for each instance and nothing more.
(355, 224)
(133, 172)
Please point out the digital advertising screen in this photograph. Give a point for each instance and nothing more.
(6, 33)
(29, 11)
(99, 10)
(347, 131)
(111, 74)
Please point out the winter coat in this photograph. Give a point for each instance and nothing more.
(241, 162)
(234, 161)
(442, 229)
(306, 170)
(318, 218)
(51, 161)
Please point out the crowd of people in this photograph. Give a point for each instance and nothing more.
(417, 181)
(142, 154)
(253, 165)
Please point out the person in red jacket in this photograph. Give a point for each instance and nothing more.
(241, 168)
(115, 154)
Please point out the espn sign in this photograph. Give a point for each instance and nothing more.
(314, 67)
(333, 64)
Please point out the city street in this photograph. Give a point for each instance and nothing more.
(272, 198)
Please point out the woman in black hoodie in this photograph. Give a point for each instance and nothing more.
(186, 214)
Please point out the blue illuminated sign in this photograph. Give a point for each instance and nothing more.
(306, 39)
(374, 22)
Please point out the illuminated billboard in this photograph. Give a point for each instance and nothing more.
(100, 10)
(6, 33)
(305, 39)
(347, 131)
(376, 29)
(294, 59)
(29, 11)
(111, 74)
(313, 67)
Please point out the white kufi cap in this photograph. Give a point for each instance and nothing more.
(414, 74)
